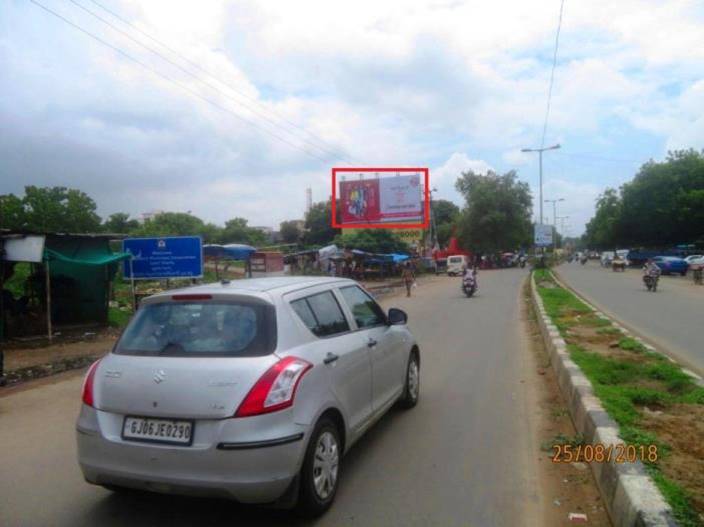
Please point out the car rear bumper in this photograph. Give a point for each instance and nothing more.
(250, 471)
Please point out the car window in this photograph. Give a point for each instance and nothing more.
(197, 329)
(321, 314)
(365, 310)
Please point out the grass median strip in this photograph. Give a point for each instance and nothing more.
(653, 401)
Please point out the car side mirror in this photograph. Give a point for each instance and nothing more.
(397, 317)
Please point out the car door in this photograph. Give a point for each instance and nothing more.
(348, 361)
(374, 333)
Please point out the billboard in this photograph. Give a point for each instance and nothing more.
(543, 235)
(159, 258)
(393, 201)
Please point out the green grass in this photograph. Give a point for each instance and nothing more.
(676, 497)
(118, 318)
(631, 344)
(608, 330)
(624, 387)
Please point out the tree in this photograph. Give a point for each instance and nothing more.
(172, 224)
(237, 231)
(662, 206)
(445, 216)
(602, 229)
(12, 214)
(289, 231)
(319, 230)
(372, 240)
(497, 213)
(445, 211)
(59, 209)
(120, 223)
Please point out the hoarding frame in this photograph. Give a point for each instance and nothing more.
(382, 225)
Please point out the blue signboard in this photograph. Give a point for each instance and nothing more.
(159, 258)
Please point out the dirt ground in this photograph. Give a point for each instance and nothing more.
(19, 358)
(570, 486)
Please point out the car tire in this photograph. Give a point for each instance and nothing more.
(683, 273)
(322, 460)
(411, 389)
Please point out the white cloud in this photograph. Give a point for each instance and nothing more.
(404, 82)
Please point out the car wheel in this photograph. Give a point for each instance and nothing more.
(320, 471)
(684, 273)
(411, 390)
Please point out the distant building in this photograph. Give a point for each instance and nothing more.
(266, 230)
(148, 215)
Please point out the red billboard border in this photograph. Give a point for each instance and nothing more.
(426, 200)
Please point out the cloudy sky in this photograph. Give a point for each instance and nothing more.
(273, 94)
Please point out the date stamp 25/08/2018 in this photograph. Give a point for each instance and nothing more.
(600, 453)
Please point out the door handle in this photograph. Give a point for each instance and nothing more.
(330, 357)
(371, 342)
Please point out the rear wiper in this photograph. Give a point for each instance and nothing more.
(169, 345)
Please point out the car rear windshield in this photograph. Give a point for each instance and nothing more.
(201, 329)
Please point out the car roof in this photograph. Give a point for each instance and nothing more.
(279, 285)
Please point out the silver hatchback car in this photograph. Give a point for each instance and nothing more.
(250, 390)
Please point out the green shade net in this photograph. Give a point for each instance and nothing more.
(81, 272)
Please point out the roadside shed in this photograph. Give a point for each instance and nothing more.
(69, 279)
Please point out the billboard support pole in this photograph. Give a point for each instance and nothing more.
(134, 294)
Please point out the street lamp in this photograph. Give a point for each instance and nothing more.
(554, 209)
(554, 218)
(540, 157)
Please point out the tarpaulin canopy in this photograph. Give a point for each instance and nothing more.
(234, 251)
(85, 257)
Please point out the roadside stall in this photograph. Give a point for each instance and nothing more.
(225, 254)
(66, 280)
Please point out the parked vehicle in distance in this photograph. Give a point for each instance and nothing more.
(456, 264)
(606, 258)
(671, 264)
(694, 259)
(619, 264)
(251, 390)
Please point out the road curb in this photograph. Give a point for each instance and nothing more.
(631, 497)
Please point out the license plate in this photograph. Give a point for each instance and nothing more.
(172, 431)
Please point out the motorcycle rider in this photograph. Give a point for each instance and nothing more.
(468, 272)
(651, 269)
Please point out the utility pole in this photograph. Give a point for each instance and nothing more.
(540, 161)
(554, 218)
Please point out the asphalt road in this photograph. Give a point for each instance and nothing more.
(466, 455)
(671, 318)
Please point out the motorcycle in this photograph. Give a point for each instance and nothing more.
(469, 284)
(651, 282)
(522, 261)
(583, 260)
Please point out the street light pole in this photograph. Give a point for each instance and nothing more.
(554, 220)
(540, 164)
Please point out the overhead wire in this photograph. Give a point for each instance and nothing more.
(324, 150)
(552, 74)
(180, 85)
(325, 145)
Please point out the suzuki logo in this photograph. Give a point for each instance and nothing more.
(159, 376)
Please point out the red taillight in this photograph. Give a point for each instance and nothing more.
(275, 389)
(88, 384)
(191, 297)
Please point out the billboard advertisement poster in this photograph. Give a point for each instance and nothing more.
(392, 198)
(360, 201)
(160, 258)
(543, 235)
(400, 197)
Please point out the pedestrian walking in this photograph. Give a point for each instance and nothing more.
(408, 277)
